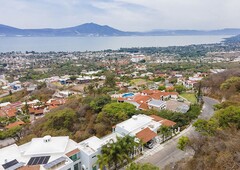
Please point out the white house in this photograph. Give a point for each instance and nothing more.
(62, 153)
(42, 153)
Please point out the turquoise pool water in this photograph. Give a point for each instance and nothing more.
(128, 95)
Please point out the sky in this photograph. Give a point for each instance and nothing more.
(126, 15)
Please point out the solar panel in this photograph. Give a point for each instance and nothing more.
(38, 160)
(55, 162)
(35, 162)
(9, 164)
(46, 159)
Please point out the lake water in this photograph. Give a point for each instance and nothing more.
(45, 44)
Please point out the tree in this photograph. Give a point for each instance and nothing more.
(73, 78)
(206, 127)
(165, 132)
(180, 88)
(162, 88)
(110, 80)
(99, 102)
(26, 108)
(116, 112)
(183, 142)
(115, 154)
(139, 166)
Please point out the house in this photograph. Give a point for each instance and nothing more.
(177, 106)
(17, 123)
(54, 103)
(31, 87)
(149, 99)
(49, 153)
(62, 94)
(44, 153)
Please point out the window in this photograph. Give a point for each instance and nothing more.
(95, 167)
(76, 167)
(74, 157)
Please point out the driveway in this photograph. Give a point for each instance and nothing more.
(166, 153)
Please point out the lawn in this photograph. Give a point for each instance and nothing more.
(190, 97)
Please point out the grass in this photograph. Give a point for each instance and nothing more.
(190, 97)
(139, 81)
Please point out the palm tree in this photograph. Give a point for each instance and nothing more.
(103, 160)
(165, 131)
(115, 154)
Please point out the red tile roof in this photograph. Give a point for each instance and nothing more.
(168, 123)
(157, 118)
(11, 112)
(146, 135)
(11, 125)
(163, 121)
(143, 106)
(73, 152)
(141, 99)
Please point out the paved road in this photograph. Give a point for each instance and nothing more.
(169, 152)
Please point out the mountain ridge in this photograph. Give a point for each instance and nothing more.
(96, 30)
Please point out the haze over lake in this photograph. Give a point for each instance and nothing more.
(45, 44)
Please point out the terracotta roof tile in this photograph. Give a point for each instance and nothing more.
(73, 152)
(167, 123)
(141, 99)
(146, 135)
(11, 125)
(32, 167)
(163, 121)
(157, 118)
(143, 106)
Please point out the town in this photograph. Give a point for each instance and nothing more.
(77, 105)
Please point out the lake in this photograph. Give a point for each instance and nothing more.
(45, 44)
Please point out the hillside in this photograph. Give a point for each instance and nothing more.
(217, 147)
(88, 29)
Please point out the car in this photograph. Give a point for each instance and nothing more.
(149, 144)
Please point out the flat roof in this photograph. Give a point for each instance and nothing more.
(134, 123)
(91, 145)
(39, 147)
(156, 103)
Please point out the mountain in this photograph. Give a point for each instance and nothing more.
(228, 31)
(92, 29)
(88, 29)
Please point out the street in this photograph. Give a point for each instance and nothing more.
(169, 152)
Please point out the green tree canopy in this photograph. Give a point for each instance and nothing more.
(110, 80)
(139, 166)
(116, 112)
(183, 142)
(99, 102)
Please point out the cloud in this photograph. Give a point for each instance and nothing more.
(130, 15)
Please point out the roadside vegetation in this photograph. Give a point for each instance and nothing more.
(217, 145)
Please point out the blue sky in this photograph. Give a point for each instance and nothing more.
(129, 15)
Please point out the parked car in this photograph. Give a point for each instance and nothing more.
(149, 144)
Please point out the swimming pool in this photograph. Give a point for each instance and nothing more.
(128, 95)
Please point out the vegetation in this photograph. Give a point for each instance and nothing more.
(18, 96)
(183, 142)
(114, 113)
(116, 154)
(181, 119)
(165, 132)
(190, 97)
(217, 145)
(139, 166)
